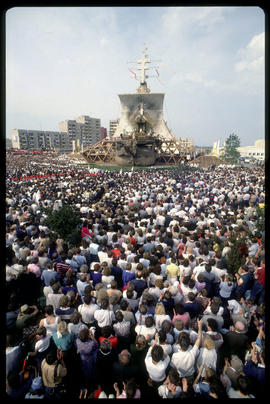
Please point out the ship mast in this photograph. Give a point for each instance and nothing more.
(143, 89)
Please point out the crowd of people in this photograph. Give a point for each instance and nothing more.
(149, 303)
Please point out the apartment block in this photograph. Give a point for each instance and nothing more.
(37, 139)
(113, 126)
(103, 133)
(84, 131)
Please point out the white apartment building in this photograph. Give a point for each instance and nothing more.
(113, 126)
(37, 139)
(256, 151)
(85, 131)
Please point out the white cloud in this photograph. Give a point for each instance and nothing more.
(182, 19)
(252, 56)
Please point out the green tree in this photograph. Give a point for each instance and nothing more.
(231, 154)
(65, 223)
(235, 258)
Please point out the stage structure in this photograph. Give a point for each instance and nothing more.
(142, 137)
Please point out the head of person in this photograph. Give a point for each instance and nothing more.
(84, 335)
(143, 309)
(149, 322)
(119, 316)
(51, 357)
(184, 341)
(174, 377)
(124, 304)
(166, 326)
(167, 295)
(243, 384)
(75, 317)
(48, 310)
(160, 309)
(62, 328)
(191, 296)
(124, 357)
(105, 347)
(208, 343)
(179, 324)
(217, 390)
(106, 271)
(157, 353)
(209, 372)
(63, 301)
(106, 331)
(56, 287)
(200, 278)
(41, 332)
(159, 283)
(104, 304)
(140, 342)
(214, 308)
(212, 324)
(130, 389)
(208, 268)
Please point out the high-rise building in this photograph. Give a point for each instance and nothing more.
(103, 133)
(113, 126)
(89, 130)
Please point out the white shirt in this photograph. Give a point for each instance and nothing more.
(207, 357)
(156, 372)
(42, 344)
(87, 312)
(104, 317)
(159, 318)
(184, 361)
(143, 330)
(234, 306)
(167, 348)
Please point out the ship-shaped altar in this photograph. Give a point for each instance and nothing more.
(142, 137)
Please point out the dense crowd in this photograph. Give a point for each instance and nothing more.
(149, 303)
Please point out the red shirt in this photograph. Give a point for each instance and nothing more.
(261, 275)
(133, 241)
(85, 232)
(113, 341)
(116, 252)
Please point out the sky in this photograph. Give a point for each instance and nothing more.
(63, 62)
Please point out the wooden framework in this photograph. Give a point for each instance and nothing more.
(170, 152)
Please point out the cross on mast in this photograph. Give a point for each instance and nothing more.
(143, 67)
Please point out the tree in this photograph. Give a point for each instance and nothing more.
(231, 154)
(235, 257)
(64, 222)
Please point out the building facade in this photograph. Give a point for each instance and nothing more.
(37, 139)
(84, 131)
(103, 133)
(113, 126)
(257, 151)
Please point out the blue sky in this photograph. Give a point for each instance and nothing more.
(63, 62)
